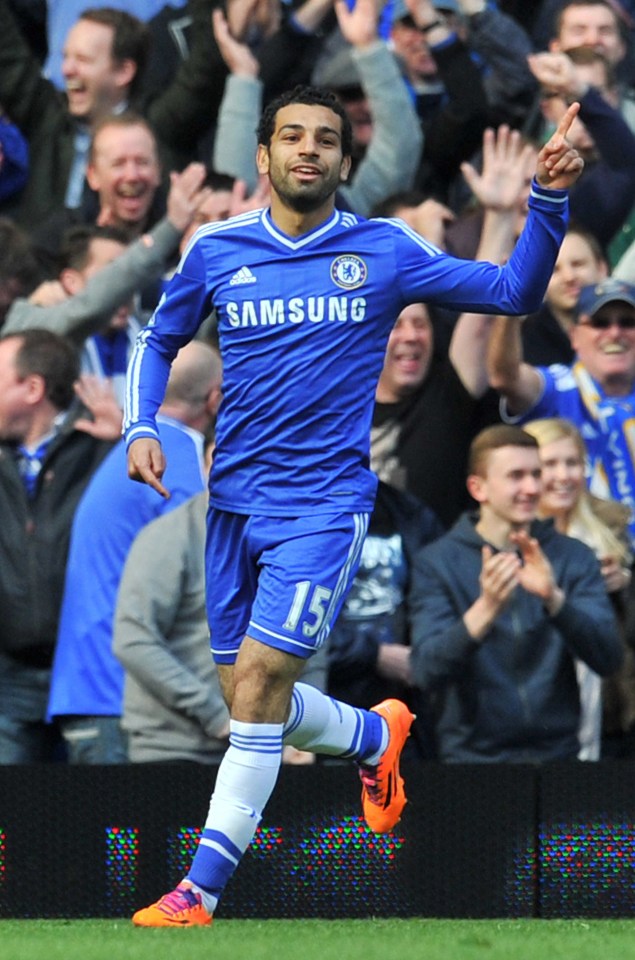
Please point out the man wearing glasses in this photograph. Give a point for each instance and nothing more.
(596, 391)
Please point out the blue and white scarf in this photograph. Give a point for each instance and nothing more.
(612, 476)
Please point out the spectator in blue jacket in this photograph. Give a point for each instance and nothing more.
(14, 159)
(87, 681)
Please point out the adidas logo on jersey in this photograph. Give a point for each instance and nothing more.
(244, 275)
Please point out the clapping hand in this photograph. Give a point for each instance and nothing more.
(536, 573)
(499, 577)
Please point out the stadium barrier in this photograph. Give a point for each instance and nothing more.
(478, 841)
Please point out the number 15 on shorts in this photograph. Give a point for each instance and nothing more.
(310, 605)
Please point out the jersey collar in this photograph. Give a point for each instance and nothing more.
(296, 243)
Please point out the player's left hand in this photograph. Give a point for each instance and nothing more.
(559, 164)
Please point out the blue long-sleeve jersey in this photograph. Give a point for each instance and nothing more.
(303, 324)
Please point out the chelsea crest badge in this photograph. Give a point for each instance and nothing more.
(348, 271)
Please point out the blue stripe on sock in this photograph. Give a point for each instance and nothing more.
(372, 734)
(252, 744)
(211, 870)
(367, 737)
(223, 841)
(353, 750)
(298, 703)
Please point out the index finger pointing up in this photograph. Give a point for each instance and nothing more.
(565, 123)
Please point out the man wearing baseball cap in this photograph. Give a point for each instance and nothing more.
(596, 295)
(596, 392)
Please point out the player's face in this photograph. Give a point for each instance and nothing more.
(576, 267)
(510, 489)
(608, 353)
(562, 477)
(408, 354)
(590, 26)
(304, 159)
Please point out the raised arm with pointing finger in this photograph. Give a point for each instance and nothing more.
(558, 166)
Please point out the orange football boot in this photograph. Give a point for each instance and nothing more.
(183, 907)
(383, 795)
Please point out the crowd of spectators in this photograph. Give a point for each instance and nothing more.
(124, 127)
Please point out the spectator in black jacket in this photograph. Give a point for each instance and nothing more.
(466, 63)
(546, 333)
(45, 464)
(603, 197)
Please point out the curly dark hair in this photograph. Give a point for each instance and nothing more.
(311, 96)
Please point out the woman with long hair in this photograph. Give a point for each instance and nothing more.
(602, 525)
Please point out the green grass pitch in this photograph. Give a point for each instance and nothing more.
(322, 940)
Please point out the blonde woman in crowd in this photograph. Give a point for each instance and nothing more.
(602, 525)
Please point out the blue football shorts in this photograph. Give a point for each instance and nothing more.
(279, 580)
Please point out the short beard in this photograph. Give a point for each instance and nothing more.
(304, 203)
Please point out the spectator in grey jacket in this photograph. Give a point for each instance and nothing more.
(80, 301)
(173, 708)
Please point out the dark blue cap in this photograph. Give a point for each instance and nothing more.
(596, 295)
